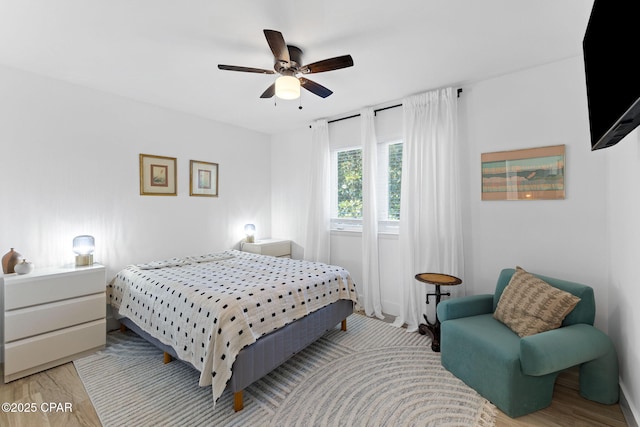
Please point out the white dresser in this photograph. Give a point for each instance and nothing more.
(51, 316)
(273, 247)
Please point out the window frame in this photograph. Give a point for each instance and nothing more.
(385, 225)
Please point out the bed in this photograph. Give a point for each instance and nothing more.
(234, 316)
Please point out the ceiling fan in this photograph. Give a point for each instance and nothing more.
(288, 63)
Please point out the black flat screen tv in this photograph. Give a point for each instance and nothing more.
(611, 55)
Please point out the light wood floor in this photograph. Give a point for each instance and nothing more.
(568, 408)
(62, 385)
(58, 385)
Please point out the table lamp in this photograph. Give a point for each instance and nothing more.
(83, 246)
(250, 231)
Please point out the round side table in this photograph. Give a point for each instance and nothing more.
(437, 279)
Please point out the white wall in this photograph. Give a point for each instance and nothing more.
(566, 238)
(69, 165)
(290, 159)
(623, 232)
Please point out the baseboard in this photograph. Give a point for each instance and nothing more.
(630, 413)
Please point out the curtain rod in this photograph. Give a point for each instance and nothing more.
(358, 115)
(375, 111)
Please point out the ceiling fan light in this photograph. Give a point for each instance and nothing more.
(287, 87)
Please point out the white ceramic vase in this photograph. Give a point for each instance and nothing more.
(23, 267)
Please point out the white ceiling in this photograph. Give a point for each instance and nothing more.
(165, 52)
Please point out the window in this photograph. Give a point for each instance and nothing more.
(347, 187)
(349, 163)
(390, 180)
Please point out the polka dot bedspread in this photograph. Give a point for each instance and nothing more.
(209, 307)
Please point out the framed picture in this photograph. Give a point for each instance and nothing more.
(157, 175)
(203, 179)
(530, 174)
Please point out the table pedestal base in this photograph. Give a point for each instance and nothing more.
(433, 330)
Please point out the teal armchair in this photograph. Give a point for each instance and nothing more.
(518, 374)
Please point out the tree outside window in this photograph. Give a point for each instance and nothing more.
(395, 180)
(347, 201)
(350, 184)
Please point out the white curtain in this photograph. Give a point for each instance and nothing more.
(430, 236)
(318, 225)
(370, 296)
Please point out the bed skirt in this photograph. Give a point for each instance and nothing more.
(270, 351)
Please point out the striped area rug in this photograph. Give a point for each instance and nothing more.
(372, 375)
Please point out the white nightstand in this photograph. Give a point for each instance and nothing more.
(52, 316)
(273, 247)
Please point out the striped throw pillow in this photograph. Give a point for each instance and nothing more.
(529, 305)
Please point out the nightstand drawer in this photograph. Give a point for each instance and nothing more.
(30, 321)
(28, 290)
(46, 350)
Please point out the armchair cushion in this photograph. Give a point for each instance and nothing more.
(529, 305)
(562, 348)
(470, 305)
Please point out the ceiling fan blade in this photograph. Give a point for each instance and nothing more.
(271, 90)
(277, 45)
(314, 87)
(245, 69)
(328, 64)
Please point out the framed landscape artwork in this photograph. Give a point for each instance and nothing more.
(203, 179)
(529, 174)
(157, 175)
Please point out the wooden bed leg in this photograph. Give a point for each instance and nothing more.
(237, 401)
(167, 358)
(344, 325)
(123, 328)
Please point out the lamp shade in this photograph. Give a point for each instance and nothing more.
(287, 87)
(83, 245)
